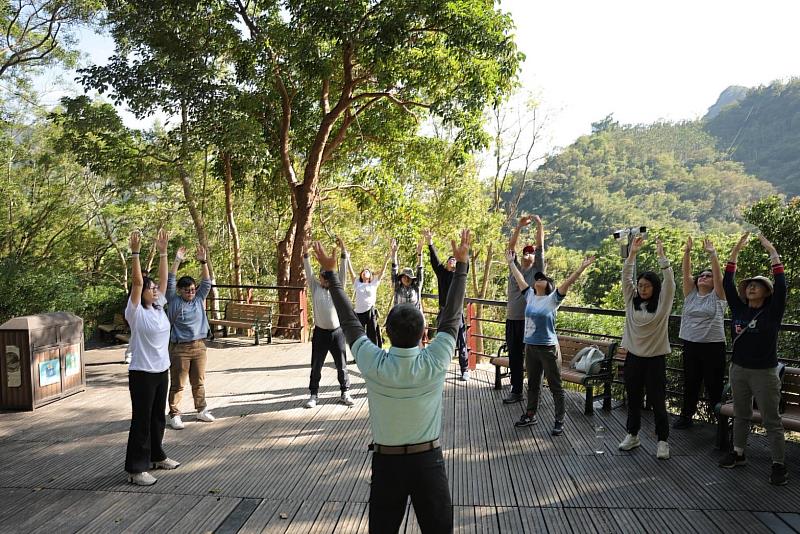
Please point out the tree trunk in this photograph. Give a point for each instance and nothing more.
(237, 262)
(480, 292)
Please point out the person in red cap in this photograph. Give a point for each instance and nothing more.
(532, 262)
(757, 306)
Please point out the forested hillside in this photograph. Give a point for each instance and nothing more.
(763, 132)
(664, 174)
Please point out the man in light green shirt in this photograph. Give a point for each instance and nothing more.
(404, 390)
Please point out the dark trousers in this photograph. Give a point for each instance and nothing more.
(325, 341)
(461, 342)
(369, 320)
(515, 333)
(703, 363)
(648, 374)
(148, 404)
(423, 477)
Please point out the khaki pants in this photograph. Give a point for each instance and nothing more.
(765, 386)
(187, 359)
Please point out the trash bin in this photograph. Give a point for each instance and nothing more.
(41, 360)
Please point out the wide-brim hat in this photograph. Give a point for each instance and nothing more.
(743, 285)
(408, 272)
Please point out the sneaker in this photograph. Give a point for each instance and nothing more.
(558, 428)
(682, 422)
(206, 416)
(662, 451)
(311, 402)
(142, 479)
(779, 475)
(630, 442)
(513, 398)
(465, 375)
(346, 399)
(166, 463)
(732, 459)
(526, 420)
(176, 422)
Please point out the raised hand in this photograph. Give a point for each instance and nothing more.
(427, 234)
(202, 254)
(393, 246)
(766, 244)
(708, 246)
(340, 244)
(180, 254)
(162, 241)
(538, 220)
(326, 261)
(135, 241)
(660, 248)
(587, 261)
(742, 242)
(461, 251)
(524, 221)
(689, 244)
(636, 244)
(420, 244)
(510, 256)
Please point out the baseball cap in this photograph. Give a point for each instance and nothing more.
(529, 249)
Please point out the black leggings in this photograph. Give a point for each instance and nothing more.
(650, 374)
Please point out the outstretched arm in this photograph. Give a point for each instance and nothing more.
(450, 318)
(137, 282)
(565, 285)
(512, 266)
(205, 277)
(311, 280)
(686, 268)
(348, 320)
(777, 304)
(716, 272)
(523, 222)
(628, 285)
(728, 280)
(163, 263)
(379, 275)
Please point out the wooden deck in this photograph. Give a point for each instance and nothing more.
(268, 465)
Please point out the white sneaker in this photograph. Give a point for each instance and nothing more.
(465, 376)
(630, 442)
(311, 402)
(166, 463)
(662, 453)
(206, 415)
(176, 422)
(346, 399)
(142, 479)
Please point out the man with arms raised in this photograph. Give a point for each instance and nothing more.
(404, 389)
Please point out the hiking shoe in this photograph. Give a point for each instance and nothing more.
(526, 420)
(682, 422)
(142, 479)
(346, 399)
(166, 463)
(465, 376)
(630, 442)
(732, 459)
(311, 402)
(206, 416)
(662, 451)
(513, 398)
(558, 428)
(779, 475)
(176, 422)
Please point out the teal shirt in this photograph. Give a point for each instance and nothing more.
(404, 389)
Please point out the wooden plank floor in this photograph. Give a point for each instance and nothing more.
(268, 465)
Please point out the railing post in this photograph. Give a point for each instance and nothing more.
(301, 296)
(471, 340)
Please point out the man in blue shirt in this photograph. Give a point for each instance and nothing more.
(404, 390)
(187, 347)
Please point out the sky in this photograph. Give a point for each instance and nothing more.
(640, 60)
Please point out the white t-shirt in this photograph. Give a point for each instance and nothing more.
(149, 344)
(366, 294)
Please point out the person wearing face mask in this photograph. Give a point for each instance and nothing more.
(148, 377)
(327, 336)
(365, 285)
(532, 262)
(645, 339)
(187, 349)
(757, 306)
(702, 333)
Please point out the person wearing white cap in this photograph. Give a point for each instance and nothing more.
(757, 306)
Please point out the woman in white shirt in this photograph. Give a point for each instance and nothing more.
(148, 373)
(366, 285)
(703, 334)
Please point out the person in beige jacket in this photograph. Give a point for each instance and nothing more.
(648, 302)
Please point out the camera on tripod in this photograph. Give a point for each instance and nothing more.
(626, 236)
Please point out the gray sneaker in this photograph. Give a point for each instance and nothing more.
(311, 402)
(630, 442)
(346, 399)
(142, 479)
(513, 398)
(166, 463)
(465, 376)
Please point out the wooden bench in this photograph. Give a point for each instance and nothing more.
(247, 316)
(789, 407)
(118, 329)
(569, 348)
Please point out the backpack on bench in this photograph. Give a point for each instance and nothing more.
(588, 360)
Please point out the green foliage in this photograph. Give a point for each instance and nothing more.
(657, 175)
(762, 131)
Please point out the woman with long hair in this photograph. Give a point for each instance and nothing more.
(648, 302)
(365, 285)
(148, 372)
